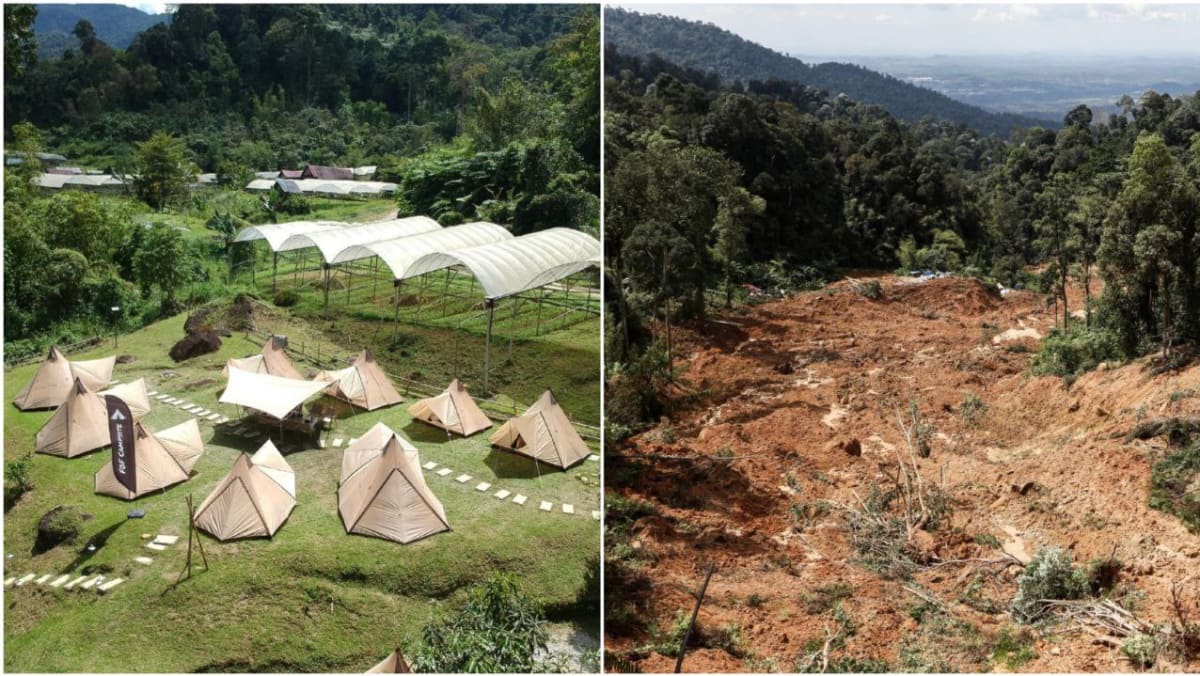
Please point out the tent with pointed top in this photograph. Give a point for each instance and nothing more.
(253, 500)
(52, 381)
(79, 426)
(156, 466)
(362, 384)
(135, 395)
(383, 493)
(392, 664)
(271, 360)
(453, 410)
(543, 433)
(183, 442)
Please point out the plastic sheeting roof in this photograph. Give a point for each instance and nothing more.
(519, 264)
(333, 242)
(400, 253)
(276, 233)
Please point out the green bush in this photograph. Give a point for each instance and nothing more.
(16, 481)
(499, 629)
(1141, 649)
(1050, 576)
(1075, 351)
(286, 298)
(63, 524)
(1170, 479)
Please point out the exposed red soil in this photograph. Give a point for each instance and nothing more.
(789, 385)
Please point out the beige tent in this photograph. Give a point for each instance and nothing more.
(253, 500)
(135, 395)
(543, 433)
(363, 384)
(183, 442)
(272, 395)
(53, 379)
(392, 664)
(383, 493)
(453, 410)
(272, 360)
(156, 465)
(79, 426)
(81, 423)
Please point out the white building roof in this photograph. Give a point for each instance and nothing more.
(399, 254)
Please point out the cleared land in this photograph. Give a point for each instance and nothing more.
(775, 464)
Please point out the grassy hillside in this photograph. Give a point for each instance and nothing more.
(312, 598)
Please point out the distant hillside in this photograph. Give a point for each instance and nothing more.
(116, 25)
(707, 47)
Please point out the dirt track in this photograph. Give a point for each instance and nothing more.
(789, 385)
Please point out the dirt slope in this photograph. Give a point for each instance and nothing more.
(805, 393)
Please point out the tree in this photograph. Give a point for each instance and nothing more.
(20, 42)
(163, 170)
(162, 260)
(736, 211)
(499, 629)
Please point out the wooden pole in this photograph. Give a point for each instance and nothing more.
(487, 344)
(695, 612)
(325, 275)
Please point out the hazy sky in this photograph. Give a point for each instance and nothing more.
(921, 30)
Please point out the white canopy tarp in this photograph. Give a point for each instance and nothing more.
(272, 395)
(399, 254)
(519, 264)
(276, 233)
(331, 243)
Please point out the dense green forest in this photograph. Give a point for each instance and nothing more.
(709, 48)
(477, 112)
(710, 186)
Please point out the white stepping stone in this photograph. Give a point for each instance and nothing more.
(520, 499)
(42, 579)
(114, 382)
(92, 582)
(76, 581)
(429, 465)
(568, 509)
(352, 441)
(151, 393)
(223, 420)
(109, 585)
(320, 443)
(502, 494)
(193, 409)
(156, 547)
(214, 416)
(9, 582)
(337, 443)
(483, 486)
(594, 458)
(444, 471)
(462, 478)
(144, 560)
(60, 581)
(200, 411)
(596, 514)
(166, 539)
(546, 506)
(21, 582)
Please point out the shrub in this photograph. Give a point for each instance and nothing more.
(1049, 576)
(1013, 648)
(972, 408)
(16, 481)
(1170, 479)
(286, 298)
(1141, 649)
(60, 525)
(498, 629)
(869, 289)
(1069, 353)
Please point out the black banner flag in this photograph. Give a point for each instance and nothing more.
(120, 431)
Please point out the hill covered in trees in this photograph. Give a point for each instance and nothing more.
(707, 47)
(117, 25)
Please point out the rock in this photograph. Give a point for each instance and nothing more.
(848, 445)
(1024, 488)
(1101, 413)
(195, 344)
(785, 368)
(1073, 407)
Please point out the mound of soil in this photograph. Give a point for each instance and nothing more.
(195, 344)
(765, 469)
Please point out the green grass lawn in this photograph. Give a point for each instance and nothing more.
(313, 597)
